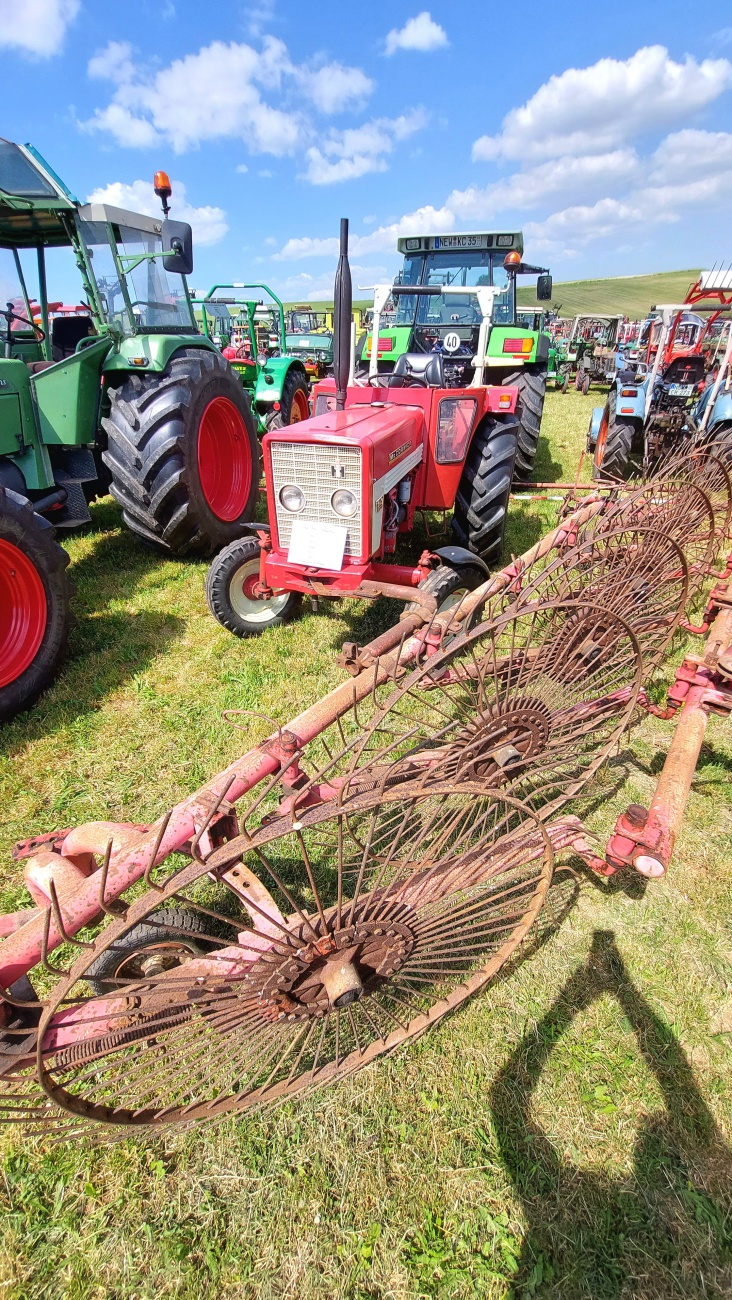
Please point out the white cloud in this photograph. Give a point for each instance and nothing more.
(573, 178)
(209, 224)
(690, 153)
(334, 87)
(381, 240)
(113, 63)
(345, 155)
(37, 27)
(421, 33)
(242, 169)
(222, 91)
(592, 110)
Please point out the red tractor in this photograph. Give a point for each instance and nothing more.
(344, 484)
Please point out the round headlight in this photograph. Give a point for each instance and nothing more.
(292, 498)
(344, 503)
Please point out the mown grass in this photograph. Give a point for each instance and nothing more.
(565, 1135)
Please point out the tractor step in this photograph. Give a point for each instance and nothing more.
(73, 465)
(75, 510)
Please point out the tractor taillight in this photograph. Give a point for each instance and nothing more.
(385, 345)
(629, 392)
(524, 346)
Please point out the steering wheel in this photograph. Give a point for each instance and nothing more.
(409, 381)
(11, 315)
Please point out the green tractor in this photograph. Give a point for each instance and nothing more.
(126, 397)
(446, 323)
(276, 382)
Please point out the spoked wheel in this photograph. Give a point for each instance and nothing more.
(640, 574)
(530, 702)
(384, 914)
(673, 505)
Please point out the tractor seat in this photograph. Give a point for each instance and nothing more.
(426, 366)
(36, 367)
(66, 332)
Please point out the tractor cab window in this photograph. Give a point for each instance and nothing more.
(467, 268)
(18, 176)
(138, 297)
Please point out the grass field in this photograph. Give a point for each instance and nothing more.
(565, 1135)
(630, 295)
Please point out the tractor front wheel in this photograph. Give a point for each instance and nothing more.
(448, 586)
(231, 595)
(481, 503)
(531, 386)
(183, 454)
(294, 402)
(34, 604)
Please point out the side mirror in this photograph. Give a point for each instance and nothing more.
(544, 288)
(177, 239)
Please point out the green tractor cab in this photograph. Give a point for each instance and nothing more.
(126, 396)
(449, 323)
(276, 382)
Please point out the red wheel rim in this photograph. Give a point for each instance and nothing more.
(300, 409)
(224, 459)
(23, 612)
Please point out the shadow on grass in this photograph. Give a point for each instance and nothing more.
(546, 469)
(663, 1231)
(106, 650)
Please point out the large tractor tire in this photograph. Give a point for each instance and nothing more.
(183, 455)
(481, 503)
(529, 410)
(294, 402)
(34, 604)
(614, 444)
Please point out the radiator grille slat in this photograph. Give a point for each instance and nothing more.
(310, 467)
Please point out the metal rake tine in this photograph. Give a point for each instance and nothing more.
(53, 970)
(78, 943)
(197, 837)
(103, 871)
(156, 847)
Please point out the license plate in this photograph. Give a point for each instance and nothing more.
(681, 390)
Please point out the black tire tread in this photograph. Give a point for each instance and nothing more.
(217, 589)
(618, 446)
(529, 410)
(146, 436)
(481, 502)
(295, 378)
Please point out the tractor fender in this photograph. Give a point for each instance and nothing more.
(156, 349)
(631, 407)
(459, 557)
(594, 429)
(271, 379)
(722, 409)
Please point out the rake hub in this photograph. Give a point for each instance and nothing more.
(502, 737)
(335, 970)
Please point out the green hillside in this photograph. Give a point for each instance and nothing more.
(632, 295)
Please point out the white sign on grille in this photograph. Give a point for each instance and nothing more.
(321, 545)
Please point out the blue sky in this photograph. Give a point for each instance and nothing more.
(605, 135)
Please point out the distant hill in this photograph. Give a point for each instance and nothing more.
(631, 295)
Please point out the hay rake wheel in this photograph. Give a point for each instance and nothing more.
(530, 702)
(683, 511)
(638, 573)
(414, 900)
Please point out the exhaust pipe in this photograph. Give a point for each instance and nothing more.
(342, 312)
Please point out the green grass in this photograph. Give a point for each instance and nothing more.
(631, 295)
(565, 1135)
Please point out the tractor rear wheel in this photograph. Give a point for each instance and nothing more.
(481, 503)
(34, 604)
(529, 410)
(294, 403)
(614, 444)
(183, 454)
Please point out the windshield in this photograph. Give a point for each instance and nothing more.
(146, 296)
(19, 176)
(468, 268)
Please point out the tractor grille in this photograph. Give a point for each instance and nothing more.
(317, 470)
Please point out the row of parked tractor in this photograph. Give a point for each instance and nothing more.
(197, 410)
